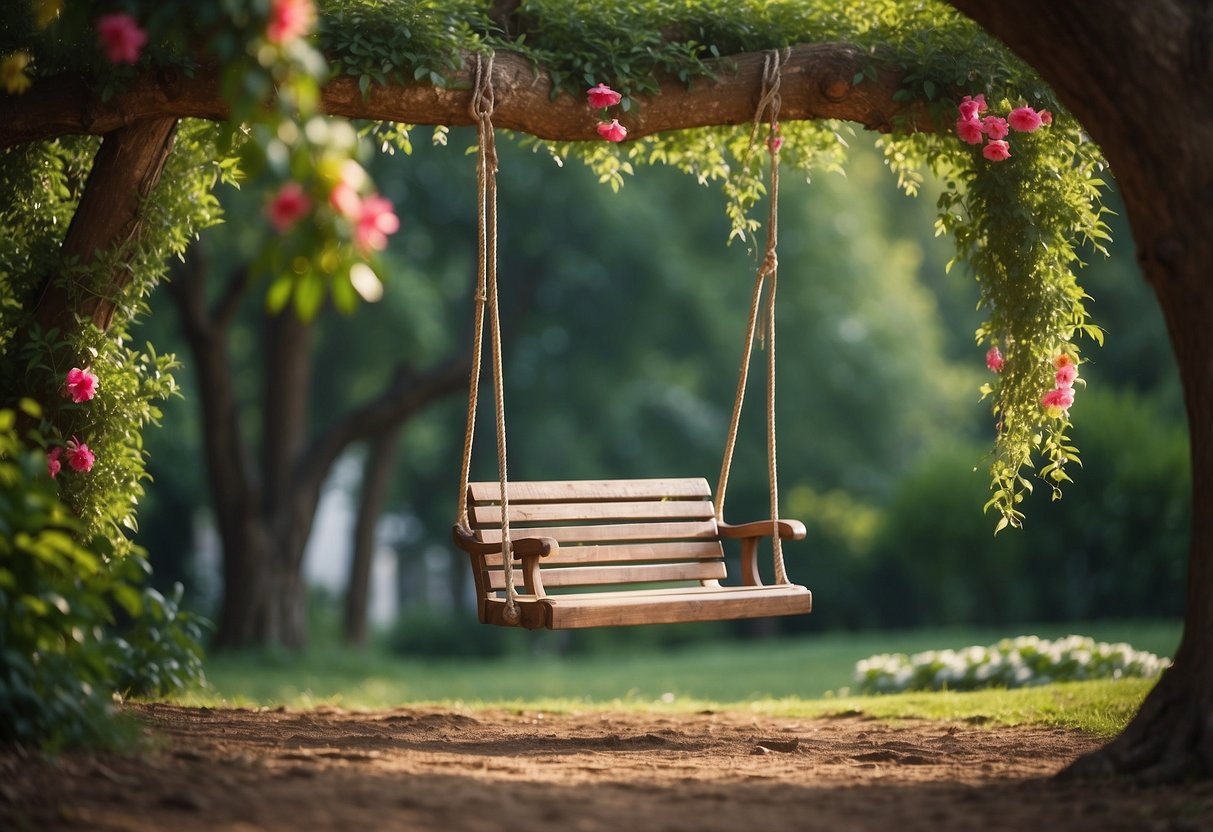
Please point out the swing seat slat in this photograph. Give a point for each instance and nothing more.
(621, 552)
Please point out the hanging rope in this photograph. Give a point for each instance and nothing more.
(769, 102)
(481, 109)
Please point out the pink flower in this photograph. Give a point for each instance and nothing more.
(1046, 118)
(121, 37)
(613, 132)
(1065, 375)
(1058, 400)
(971, 107)
(53, 465)
(969, 129)
(289, 19)
(996, 151)
(81, 385)
(602, 96)
(1063, 359)
(375, 221)
(346, 200)
(994, 359)
(288, 206)
(79, 457)
(1024, 119)
(995, 127)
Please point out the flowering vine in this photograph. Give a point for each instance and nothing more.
(1017, 223)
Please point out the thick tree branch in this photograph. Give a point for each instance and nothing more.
(408, 393)
(817, 84)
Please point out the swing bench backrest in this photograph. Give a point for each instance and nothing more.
(594, 553)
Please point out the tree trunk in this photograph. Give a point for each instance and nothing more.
(377, 479)
(265, 505)
(125, 169)
(1152, 113)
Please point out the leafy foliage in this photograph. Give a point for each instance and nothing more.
(79, 624)
(62, 656)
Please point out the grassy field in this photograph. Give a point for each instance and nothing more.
(805, 676)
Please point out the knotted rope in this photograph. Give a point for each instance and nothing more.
(481, 110)
(768, 103)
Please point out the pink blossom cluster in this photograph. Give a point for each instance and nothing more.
(371, 216)
(602, 97)
(1057, 401)
(80, 386)
(974, 127)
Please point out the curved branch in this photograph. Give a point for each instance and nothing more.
(408, 393)
(817, 84)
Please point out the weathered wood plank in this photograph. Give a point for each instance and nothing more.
(628, 553)
(655, 607)
(490, 515)
(616, 532)
(580, 576)
(592, 490)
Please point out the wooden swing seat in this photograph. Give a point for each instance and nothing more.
(618, 552)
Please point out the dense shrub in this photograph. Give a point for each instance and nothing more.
(63, 655)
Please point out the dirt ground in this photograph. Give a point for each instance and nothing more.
(233, 769)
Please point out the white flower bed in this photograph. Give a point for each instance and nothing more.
(1011, 663)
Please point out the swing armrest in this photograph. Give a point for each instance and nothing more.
(788, 529)
(523, 547)
(749, 534)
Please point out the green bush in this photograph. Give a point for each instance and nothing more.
(1114, 547)
(63, 656)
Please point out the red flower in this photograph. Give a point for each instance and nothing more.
(288, 206)
(121, 37)
(375, 221)
(994, 359)
(1058, 400)
(1025, 119)
(289, 19)
(53, 465)
(81, 385)
(79, 457)
(996, 151)
(995, 127)
(612, 132)
(1066, 375)
(969, 129)
(970, 108)
(602, 96)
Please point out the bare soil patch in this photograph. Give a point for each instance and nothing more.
(416, 769)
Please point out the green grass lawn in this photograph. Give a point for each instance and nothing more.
(802, 676)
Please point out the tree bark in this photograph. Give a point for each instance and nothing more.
(817, 84)
(1151, 111)
(126, 168)
(376, 481)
